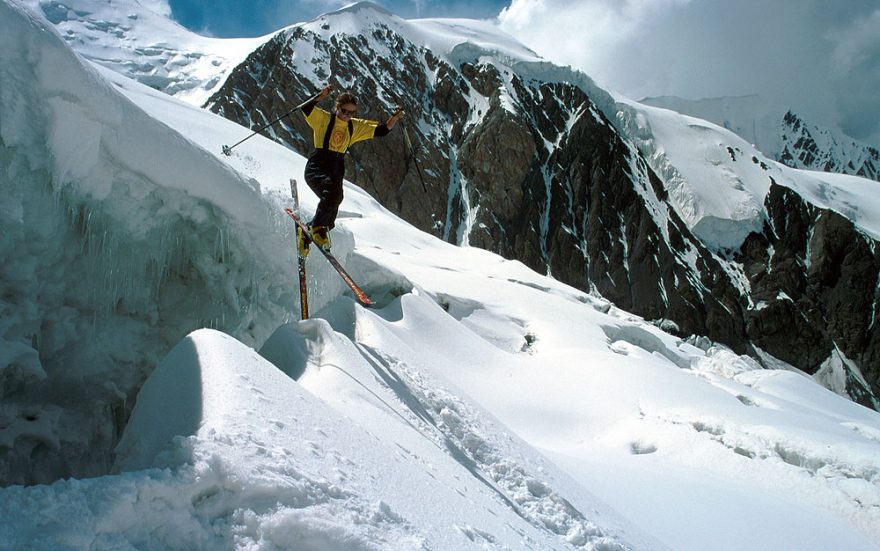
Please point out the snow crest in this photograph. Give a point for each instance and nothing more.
(134, 234)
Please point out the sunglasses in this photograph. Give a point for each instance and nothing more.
(349, 112)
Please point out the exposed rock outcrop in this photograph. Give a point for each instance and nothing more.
(533, 169)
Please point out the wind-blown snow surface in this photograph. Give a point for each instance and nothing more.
(778, 133)
(139, 39)
(479, 405)
(717, 181)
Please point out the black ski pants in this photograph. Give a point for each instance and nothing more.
(324, 173)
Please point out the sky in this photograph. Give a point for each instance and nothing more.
(820, 58)
(237, 18)
(816, 56)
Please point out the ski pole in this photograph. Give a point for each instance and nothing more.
(227, 150)
(413, 155)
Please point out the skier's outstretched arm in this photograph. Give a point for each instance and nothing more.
(384, 129)
(325, 91)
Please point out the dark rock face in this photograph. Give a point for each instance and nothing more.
(809, 147)
(814, 277)
(534, 171)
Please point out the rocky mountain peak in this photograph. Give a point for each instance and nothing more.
(519, 159)
(816, 148)
(536, 162)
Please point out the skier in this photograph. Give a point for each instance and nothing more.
(333, 135)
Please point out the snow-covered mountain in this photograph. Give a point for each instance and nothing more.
(479, 405)
(781, 134)
(671, 217)
(560, 146)
(139, 39)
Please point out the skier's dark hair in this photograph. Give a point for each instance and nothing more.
(345, 97)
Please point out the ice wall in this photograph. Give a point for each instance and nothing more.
(118, 236)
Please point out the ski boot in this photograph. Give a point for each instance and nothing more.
(321, 236)
(302, 242)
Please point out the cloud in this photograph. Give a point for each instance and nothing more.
(818, 57)
(856, 75)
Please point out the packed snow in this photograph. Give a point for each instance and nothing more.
(718, 182)
(441, 36)
(479, 405)
(769, 128)
(140, 39)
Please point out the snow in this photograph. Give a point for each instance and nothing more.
(455, 36)
(718, 182)
(852, 197)
(479, 405)
(140, 39)
(750, 117)
(455, 40)
(755, 119)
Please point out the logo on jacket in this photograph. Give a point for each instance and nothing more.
(338, 138)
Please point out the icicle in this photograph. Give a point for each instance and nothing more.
(82, 220)
(218, 246)
(256, 294)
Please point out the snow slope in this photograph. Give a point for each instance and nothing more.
(139, 39)
(718, 192)
(779, 133)
(479, 405)
(718, 182)
(441, 36)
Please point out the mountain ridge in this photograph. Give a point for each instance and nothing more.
(781, 133)
(537, 195)
(141, 40)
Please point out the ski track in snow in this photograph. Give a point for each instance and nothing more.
(457, 427)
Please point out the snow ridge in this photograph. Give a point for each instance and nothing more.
(781, 134)
(139, 39)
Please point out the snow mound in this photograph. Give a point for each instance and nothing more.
(204, 408)
(217, 407)
(135, 235)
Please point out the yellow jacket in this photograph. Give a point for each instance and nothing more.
(340, 137)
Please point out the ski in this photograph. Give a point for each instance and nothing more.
(301, 262)
(358, 292)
